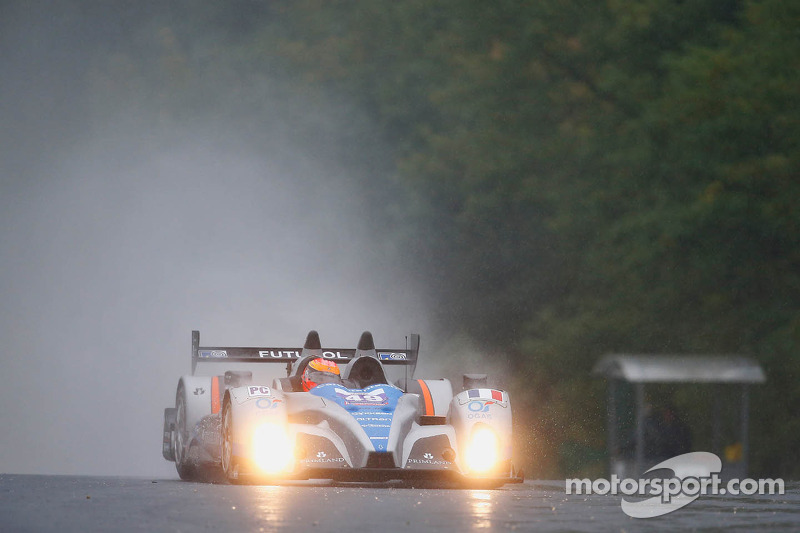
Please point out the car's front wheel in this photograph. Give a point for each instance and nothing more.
(186, 470)
(228, 468)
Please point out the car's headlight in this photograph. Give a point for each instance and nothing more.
(483, 450)
(273, 448)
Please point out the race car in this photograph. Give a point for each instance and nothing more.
(355, 425)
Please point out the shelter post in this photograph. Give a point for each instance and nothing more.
(745, 427)
(715, 419)
(612, 423)
(640, 420)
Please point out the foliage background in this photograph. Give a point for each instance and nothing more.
(566, 178)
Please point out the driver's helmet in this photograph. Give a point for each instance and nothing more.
(320, 371)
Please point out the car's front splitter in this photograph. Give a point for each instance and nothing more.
(381, 475)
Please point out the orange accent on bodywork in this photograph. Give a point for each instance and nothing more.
(215, 394)
(426, 396)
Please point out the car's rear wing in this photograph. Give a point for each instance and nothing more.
(219, 354)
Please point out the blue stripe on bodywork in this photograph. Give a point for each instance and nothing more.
(372, 407)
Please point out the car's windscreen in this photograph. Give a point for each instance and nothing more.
(315, 376)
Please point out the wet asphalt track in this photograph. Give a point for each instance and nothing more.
(68, 503)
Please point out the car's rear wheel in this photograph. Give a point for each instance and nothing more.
(186, 470)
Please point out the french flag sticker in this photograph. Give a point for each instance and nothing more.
(486, 393)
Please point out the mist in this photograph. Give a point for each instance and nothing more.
(120, 234)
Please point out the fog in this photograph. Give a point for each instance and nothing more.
(117, 240)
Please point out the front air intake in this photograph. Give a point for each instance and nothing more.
(380, 460)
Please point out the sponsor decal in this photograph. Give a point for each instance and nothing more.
(392, 356)
(268, 403)
(278, 354)
(334, 355)
(372, 407)
(255, 390)
(295, 354)
(199, 390)
(428, 452)
(487, 396)
(322, 457)
(426, 462)
(325, 460)
(479, 409)
(427, 459)
(379, 417)
(213, 353)
(358, 397)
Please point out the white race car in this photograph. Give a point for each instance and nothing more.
(361, 428)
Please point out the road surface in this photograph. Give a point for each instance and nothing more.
(72, 503)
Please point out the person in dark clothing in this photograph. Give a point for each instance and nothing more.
(665, 434)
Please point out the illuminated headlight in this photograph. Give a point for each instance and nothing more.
(482, 450)
(273, 448)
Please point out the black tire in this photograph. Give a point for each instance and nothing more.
(226, 429)
(186, 470)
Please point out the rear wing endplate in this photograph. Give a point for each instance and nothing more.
(207, 354)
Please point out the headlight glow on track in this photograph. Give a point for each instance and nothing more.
(273, 448)
(483, 450)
